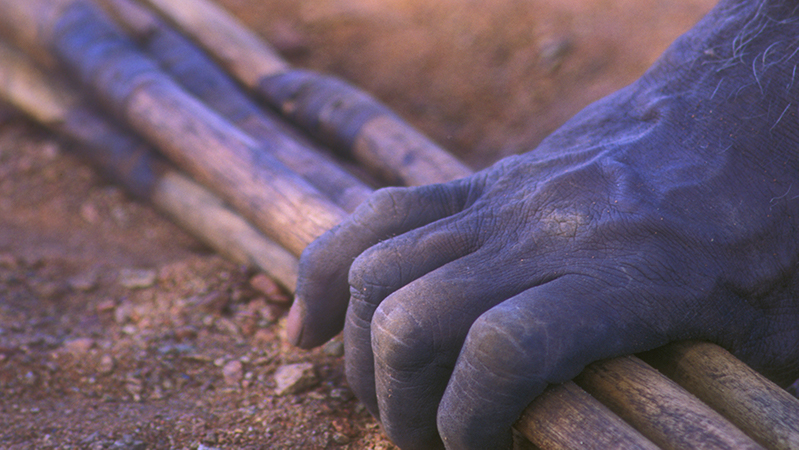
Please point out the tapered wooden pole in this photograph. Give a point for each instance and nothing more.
(756, 405)
(197, 139)
(201, 77)
(326, 107)
(125, 159)
(566, 417)
(658, 408)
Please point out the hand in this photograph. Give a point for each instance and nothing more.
(667, 211)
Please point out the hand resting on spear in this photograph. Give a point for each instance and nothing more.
(664, 212)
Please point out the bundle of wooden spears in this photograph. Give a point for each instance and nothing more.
(175, 82)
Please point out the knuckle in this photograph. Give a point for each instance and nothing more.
(374, 272)
(399, 337)
(386, 200)
(510, 348)
(498, 344)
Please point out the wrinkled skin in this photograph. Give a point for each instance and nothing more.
(666, 211)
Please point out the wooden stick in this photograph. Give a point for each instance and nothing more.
(156, 112)
(159, 108)
(198, 140)
(126, 160)
(662, 411)
(131, 95)
(309, 99)
(201, 77)
(333, 111)
(566, 417)
(317, 102)
(239, 50)
(756, 405)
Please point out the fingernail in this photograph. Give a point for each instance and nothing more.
(294, 323)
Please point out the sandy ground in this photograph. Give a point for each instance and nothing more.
(118, 330)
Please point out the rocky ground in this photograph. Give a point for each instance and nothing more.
(120, 331)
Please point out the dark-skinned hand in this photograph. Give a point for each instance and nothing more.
(667, 211)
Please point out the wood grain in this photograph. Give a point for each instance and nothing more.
(126, 160)
(333, 111)
(657, 407)
(200, 76)
(566, 417)
(749, 400)
(198, 140)
(241, 51)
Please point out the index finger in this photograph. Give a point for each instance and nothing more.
(322, 295)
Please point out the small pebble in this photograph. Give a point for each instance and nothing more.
(185, 332)
(47, 290)
(213, 302)
(123, 313)
(341, 394)
(134, 386)
(233, 372)
(210, 438)
(30, 378)
(294, 378)
(267, 286)
(137, 278)
(89, 213)
(106, 364)
(79, 346)
(340, 439)
(128, 443)
(205, 447)
(8, 261)
(157, 393)
(334, 348)
(84, 282)
(90, 439)
(106, 305)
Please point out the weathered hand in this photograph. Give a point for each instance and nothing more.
(667, 211)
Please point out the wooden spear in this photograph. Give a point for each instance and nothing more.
(125, 159)
(335, 112)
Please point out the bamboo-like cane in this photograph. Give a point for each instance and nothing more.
(198, 140)
(196, 73)
(567, 417)
(326, 107)
(756, 405)
(126, 160)
(658, 408)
